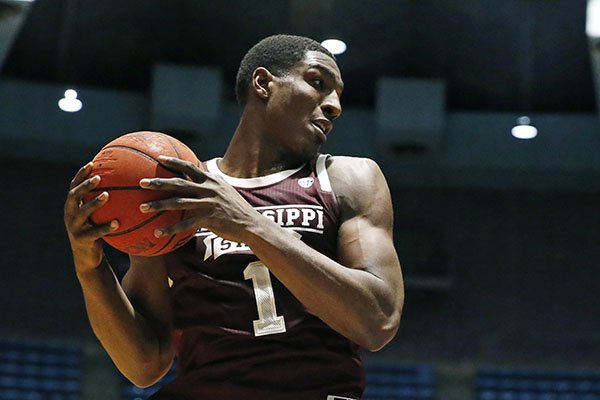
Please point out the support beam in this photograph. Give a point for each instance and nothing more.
(12, 15)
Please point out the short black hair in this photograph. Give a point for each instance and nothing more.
(278, 54)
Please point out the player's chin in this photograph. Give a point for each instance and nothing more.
(314, 142)
(307, 146)
(307, 150)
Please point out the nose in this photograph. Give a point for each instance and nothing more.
(332, 106)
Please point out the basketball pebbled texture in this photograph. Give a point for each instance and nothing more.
(121, 164)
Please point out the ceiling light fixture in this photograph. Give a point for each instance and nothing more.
(70, 103)
(523, 129)
(592, 23)
(335, 46)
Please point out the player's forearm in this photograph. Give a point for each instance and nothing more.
(122, 332)
(353, 302)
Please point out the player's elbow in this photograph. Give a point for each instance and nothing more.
(146, 375)
(384, 333)
(149, 371)
(385, 323)
(143, 381)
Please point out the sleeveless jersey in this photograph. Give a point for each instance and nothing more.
(243, 335)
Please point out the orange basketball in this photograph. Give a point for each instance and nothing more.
(121, 164)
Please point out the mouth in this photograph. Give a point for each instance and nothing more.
(323, 125)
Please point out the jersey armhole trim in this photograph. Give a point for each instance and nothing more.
(322, 174)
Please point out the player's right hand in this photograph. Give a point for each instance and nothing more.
(85, 238)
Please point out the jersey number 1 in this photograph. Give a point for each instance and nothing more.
(268, 322)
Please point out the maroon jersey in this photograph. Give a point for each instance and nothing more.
(243, 334)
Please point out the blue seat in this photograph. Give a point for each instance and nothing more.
(487, 395)
(525, 395)
(8, 382)
(10, 394)
(31, 395)
(11, 355)
(69, 386)
(413, 382)
(49, 371)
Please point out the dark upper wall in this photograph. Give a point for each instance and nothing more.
(40, 294)
(524, 273)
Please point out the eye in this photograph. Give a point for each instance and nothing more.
(318, 82)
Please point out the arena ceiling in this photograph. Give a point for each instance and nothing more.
(494, 55)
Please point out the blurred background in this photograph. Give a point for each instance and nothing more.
(482, 114)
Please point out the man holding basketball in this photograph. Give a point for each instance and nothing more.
(293, 267)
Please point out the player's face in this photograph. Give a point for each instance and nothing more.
(304, 104)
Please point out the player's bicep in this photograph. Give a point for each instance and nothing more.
(362, 245)
(365, 239)
(368, 246)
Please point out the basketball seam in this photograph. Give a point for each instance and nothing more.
(148, 156)
(109, 188)
(166, 244)
(133, 228)
(174, 148)
(172, 236)
(120, 146)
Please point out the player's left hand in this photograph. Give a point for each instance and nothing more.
(214, 203)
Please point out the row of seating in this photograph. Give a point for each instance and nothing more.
(14, 394)
(543, 385)
(388, 382)
(40, 371)
(41, 384)
(43, 371)
(414, 382)
(512, 395)
(418, 382)
(34, 353)
(528, 384)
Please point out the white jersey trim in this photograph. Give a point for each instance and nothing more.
(260, 181)
(322, 175)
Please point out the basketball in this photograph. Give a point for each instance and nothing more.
(121, 164)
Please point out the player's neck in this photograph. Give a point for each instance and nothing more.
(251, 152)
(248, 159)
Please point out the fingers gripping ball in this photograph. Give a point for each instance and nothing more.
(121, 164)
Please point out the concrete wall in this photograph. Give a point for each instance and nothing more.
(455, 149)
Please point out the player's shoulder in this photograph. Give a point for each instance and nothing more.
(357, 168)
(355, 181)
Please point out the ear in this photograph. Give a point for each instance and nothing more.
(260, 82)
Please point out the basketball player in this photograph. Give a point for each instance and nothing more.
(293, 267)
